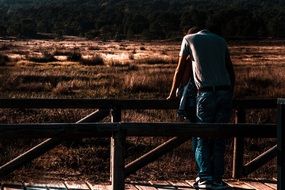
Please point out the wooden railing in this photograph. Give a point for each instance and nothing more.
(118, 131)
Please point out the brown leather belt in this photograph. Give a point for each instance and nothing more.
(214, 88)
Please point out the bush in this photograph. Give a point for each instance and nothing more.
(155, 60)
(3, 59)
(45, 58)
(94, 48)
(94, 60)
(74, 56)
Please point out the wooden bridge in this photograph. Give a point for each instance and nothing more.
(118, 131)
(253, 184)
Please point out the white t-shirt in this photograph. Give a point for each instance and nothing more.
(208, 52)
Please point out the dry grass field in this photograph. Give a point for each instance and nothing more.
(79, 68)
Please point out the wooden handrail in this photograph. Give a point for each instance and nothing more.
(80, 130)
(122, 104)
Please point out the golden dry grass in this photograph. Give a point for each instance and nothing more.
(130, 70)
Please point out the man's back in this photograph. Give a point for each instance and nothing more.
(208, 51)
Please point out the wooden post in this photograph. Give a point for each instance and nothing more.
(238, 147)
(117, 161)
(281, 145)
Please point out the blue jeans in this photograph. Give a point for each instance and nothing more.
(212, 107)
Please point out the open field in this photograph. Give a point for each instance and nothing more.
(77, 68)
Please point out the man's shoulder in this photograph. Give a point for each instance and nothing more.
(189, 36)
(214, 35)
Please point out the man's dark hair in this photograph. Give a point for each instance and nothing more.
(193, 30)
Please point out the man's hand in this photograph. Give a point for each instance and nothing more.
(171, 96)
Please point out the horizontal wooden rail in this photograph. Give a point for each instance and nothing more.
(123, 104)
(260, 103)
(72, 130)
(88, 103)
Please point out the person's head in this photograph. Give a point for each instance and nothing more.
(193, 30)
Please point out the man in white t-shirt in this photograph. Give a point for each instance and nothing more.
(214, 79)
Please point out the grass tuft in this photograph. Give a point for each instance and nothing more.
(45, 58)
(94, 48)
(92, 61)
(151, 82)
(4, 59)
(74, 56)
(62, 89)
(155, 61)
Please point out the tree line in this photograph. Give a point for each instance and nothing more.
(147, 19)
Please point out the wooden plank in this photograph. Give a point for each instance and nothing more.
(56, 186)
(89, 185)
(238, 184)
(272, 185)
(9, 188)
(145, 186)
(88, 103)
(130, 187)
(35, 186)
(258, 185)
(76, 185)
(101, 187)
(190, 182)
(162, 185)
(12, 187)
(108, 186)
(163, 129)
(124, 104)
(65, 130)
(180, 185)
(203, 130)
(260, 160)
(256, 103)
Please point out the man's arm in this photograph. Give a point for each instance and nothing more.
(178, 75)
(230, 68)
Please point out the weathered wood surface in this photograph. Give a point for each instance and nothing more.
(260, 160)
(123, 104)
(281, 144)
(246, 184)
(79, 130)
(259, 186)
(238, 152)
